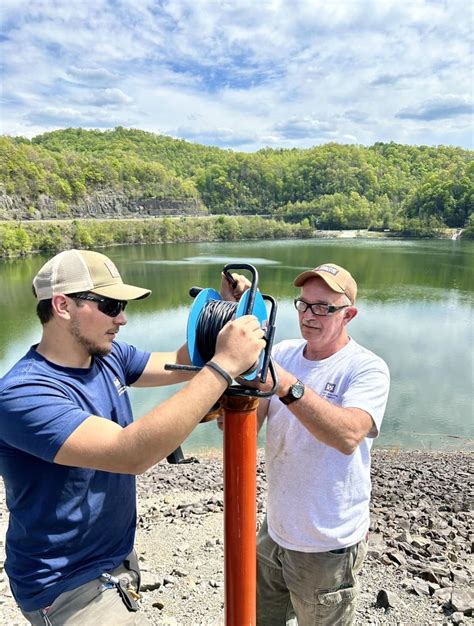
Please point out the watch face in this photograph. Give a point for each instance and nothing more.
(297, 390)
(295, 393)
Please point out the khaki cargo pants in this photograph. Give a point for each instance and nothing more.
(93, 604)
(318, 588)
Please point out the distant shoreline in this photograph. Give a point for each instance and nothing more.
(349, 233)
(22, 239)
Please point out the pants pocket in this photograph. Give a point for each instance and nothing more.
(333, 598)
(329, 608)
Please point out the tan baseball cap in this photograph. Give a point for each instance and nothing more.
(336, 277)
(73, 271)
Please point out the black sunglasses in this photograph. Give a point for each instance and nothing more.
(108, 306)
(318, 308)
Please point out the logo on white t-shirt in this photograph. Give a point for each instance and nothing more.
(329, 391)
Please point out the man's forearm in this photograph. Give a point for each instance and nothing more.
(163, 429)
(335, 426)
(104, 445)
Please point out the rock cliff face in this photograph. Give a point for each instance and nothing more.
(101, 205)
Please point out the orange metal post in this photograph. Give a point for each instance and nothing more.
(240, 509)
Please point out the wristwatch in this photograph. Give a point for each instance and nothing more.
(296, 392)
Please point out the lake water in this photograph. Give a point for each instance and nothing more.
(415, 310)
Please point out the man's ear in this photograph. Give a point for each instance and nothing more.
(60, 305)
(349, 314)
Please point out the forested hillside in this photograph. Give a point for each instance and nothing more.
(385, 186)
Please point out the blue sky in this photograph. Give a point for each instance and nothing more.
(242, 74)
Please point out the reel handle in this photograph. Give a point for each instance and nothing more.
(195, 291)
(253, 286)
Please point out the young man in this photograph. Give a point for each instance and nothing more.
(320, 427)
(70, 450)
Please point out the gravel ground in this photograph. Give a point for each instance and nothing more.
(420, 546)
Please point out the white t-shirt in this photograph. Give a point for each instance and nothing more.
(318, 498)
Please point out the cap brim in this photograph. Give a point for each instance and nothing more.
(302, 278)
(122, 292)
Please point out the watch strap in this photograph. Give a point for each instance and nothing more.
(296, 392)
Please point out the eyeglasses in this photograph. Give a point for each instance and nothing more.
(108, 306)
(318, 308)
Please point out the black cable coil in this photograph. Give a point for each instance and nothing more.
(212, 318)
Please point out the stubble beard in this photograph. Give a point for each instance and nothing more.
(91, 348)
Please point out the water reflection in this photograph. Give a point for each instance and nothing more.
(415, 302)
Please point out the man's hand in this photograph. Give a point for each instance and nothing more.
(232, 292)
(239, 344)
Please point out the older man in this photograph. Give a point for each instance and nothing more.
(320, 428)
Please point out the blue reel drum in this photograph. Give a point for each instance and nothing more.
(258, 309)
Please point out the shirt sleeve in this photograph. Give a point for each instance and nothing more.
(368, 390)
(38, 418)
(132, 360)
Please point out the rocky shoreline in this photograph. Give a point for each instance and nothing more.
(420, 562)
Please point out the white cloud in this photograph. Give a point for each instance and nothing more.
(223, 137)
(241, 74)
(93, 75)
(105, 97)
(298, 128)
(443, 107)
(53, 117)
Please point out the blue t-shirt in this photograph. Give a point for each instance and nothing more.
(67, 524)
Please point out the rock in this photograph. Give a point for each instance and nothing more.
(462, 600)
(158, 605)
(420, 587)
(420, 542)
(460, 577)
(404, 537)
(437, 548)
(397, 557)
(433, 587)
(387, 600)
(443, 595)
(375, 551)
(101, 204)
(149, 582)
(215, 583)
(431, 576)
(181, 573)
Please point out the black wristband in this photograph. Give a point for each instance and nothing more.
(217, 368)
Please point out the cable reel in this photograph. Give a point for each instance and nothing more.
(209, 313)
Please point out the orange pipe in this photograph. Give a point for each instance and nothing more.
(240, 510)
